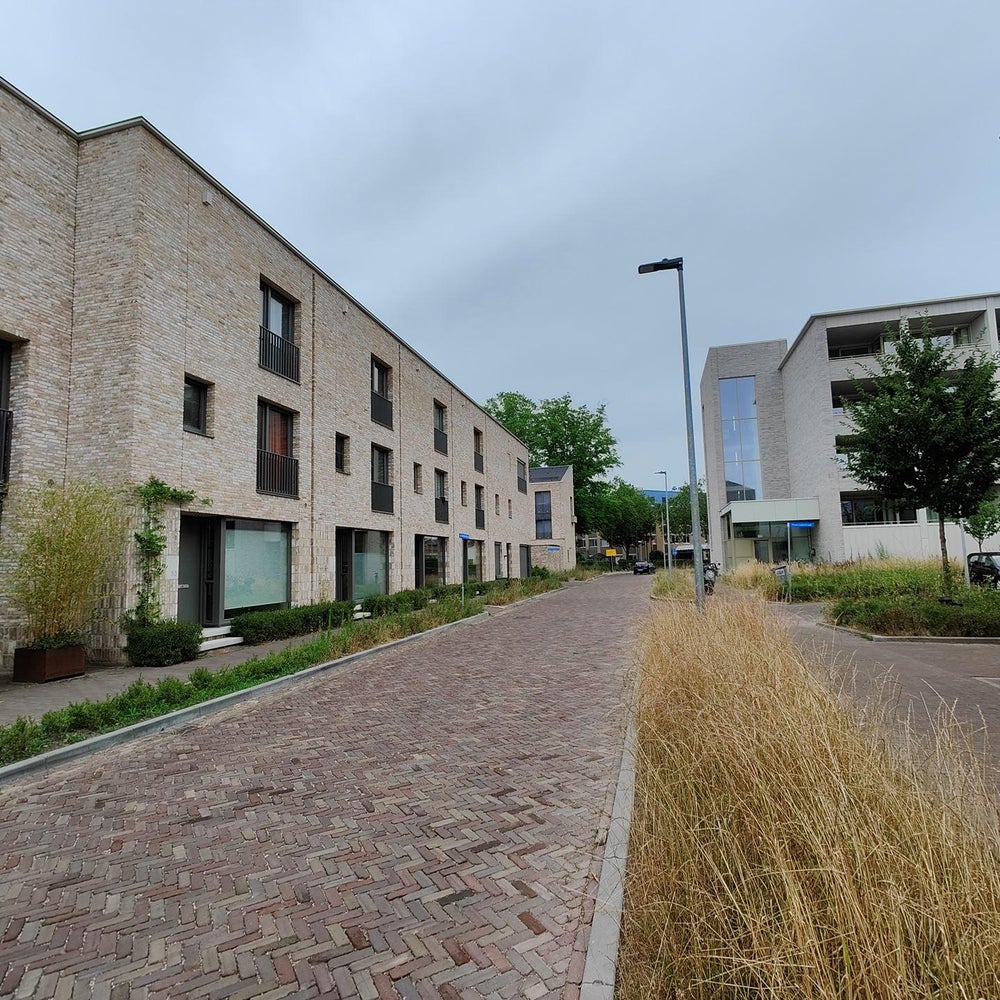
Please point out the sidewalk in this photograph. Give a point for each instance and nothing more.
(34, 700)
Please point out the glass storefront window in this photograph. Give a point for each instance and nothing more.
(371, 563)
(473, 561)
(257, 565)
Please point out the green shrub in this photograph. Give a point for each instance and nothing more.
(285, 623)
(540, 572)
(977, 615)
(161, 643)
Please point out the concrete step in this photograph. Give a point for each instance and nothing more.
(218, 637)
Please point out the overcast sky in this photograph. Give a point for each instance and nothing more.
(486, 177)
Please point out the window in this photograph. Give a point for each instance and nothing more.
(496, 504)
(510, 508)
(418, 478)
(195, 405)
(441, 496)
(440, 427)
(543, 514)
(872, 508)
(465, 493)
(477, 449)
(277, 468)
(278, 352)
(381, 479)
(343, 453)
(741, 455)
(480, 510)
(522, 476)
(381, 392)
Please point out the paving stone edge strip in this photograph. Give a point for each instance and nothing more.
(601, 966)
(60, 755)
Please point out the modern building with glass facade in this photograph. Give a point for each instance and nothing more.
(151, 324)
(776, 437)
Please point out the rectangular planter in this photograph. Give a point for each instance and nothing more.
(35, 666)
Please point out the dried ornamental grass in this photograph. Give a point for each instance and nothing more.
(785, 843)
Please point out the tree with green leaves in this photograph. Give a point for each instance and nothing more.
(559, 433)
(625, 515)
(928, 430)
(680, 510)
(984, 521)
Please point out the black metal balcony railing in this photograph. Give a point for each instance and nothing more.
(522, 485)
(441, 510)
(477, 460)
(6, 427)
(277, 474)
(480, 518)
(382, 497)
(382, 409)
(440, 441)
(278, 355)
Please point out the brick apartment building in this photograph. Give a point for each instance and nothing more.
(554, 547)
(152, 325)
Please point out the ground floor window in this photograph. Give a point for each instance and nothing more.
(429, 560)
(256, 565)
(473, 561)
(371, 563)
(766, 541)
(872, 508)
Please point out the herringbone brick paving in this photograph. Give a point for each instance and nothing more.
(423, 824)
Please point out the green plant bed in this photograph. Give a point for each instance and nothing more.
(161, 643)
(976, 615)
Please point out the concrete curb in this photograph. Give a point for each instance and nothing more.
(54, 758)
(601, 964)
(958, 640)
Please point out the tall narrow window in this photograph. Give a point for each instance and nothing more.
(195, 405)
(543, 514)
(278, 352)
(440, 427)
(441, 496)
(381, 393)
(277, 468)
(477, 449)
(465, 493)
(480, 507)
(741, 454)
(418, 478)
(343, 453)
(522, 476)
(381, 481)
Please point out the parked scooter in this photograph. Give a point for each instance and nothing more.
(711, 575)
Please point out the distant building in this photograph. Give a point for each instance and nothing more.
(776, 437)
(554, 545)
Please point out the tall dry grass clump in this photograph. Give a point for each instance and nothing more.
(786, 843)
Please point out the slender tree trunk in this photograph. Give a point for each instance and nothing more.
(949, 589)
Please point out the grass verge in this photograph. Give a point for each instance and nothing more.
(26, 738)
(787, 843)
(977, 616)
(676, 585)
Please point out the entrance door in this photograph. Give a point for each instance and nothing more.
(199, 570)
(762, 550)
(345, 564)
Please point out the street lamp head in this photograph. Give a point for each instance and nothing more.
(667, 264)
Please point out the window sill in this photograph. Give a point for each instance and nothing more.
(198, 433)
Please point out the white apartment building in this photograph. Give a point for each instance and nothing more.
(775, 429)
(151, 324)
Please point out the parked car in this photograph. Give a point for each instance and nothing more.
(643, 567)
(984, 569)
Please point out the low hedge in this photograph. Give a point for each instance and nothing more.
(161, 643)
(285, 623)
(977, 615)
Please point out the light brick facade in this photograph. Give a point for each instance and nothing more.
(127, 268)
(799, 419)
(557, 550)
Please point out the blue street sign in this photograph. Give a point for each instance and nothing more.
(464, 537)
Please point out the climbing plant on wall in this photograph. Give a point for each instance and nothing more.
(151, 540)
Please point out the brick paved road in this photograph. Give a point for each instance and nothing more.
(419, 825)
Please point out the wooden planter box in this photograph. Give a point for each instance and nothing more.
(35, 666)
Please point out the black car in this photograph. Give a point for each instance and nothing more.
(643, 567)
(984, 569)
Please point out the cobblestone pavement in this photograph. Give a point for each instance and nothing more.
(423, 824)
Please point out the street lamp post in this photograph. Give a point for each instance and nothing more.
(666, 529)
(677, 264)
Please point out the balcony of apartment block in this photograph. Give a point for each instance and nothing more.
(441, 510)
(481, 518)
(382, 498)
(278, 355)
(381, 409)
(440, 441)
(277, 475)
